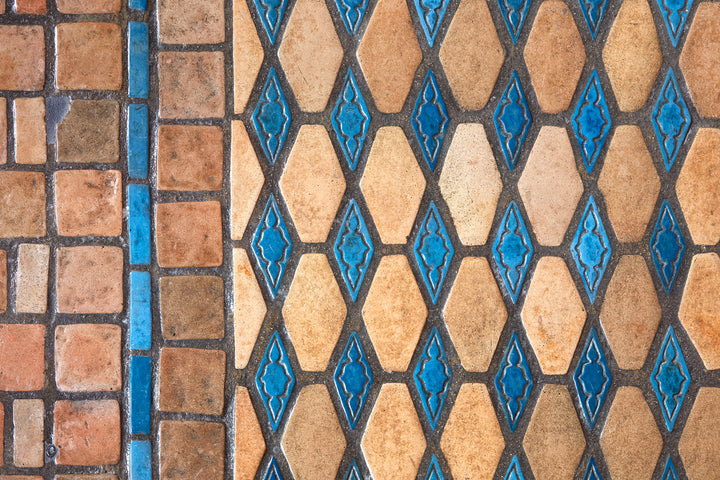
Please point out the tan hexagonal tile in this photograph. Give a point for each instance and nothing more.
(470, 183)
(314, 312)
(312, 183)
(700, 62)
(553, 315)
(249, 307)
(699, 442)
(630, 439)
(394, 313)
(392, 184)
(475, 314)
(247, 54)
(393, 443)
(554, 55)
(249, 442)
(629, 183)
(550, 185)
(554, 441)
(472, 55)
(246, 180)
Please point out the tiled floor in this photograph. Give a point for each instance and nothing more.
(355, 239)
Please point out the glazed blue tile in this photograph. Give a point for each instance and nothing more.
(670, 473)
(514, 382)
(667, 246)
(139, 224)
(137, 4)
(514, 472)
(353, 248)
(430, 119)
(512, 120)
(433, 251)
(594, 12)
(675, 14)
(591, 249)
(350, 120)
(138, 60)
(273, 471)
(353, 378)
(591, 121)
(275, 380)
(431, 13)
(432, 377)
(592, 378)
(670, 378)
(353, 472)
(138, 141)
(140, 466)
(512, 250)
(271, 117)
(592, 472)
(671, 120)
(140, 396)
(434, 471)
(272, 246)
(352, 12)
(514, 13)
(271, 14)
(139, 313)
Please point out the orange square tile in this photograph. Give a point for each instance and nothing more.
(89, 56)
(89, 279)
(22, 58)
(190, 157)
(189, 234)
(88, 202)
(22, 356)
(87, 358)
(88, 6)
(33, 7)
(192, 380)
(191, 22)
(22, 204)
(87, 432)
(192, 84)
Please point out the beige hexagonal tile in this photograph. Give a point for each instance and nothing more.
(249, 307)
(472, 440)
(394, 313)
(314, 312)
(312, 183)
(699, 442)
(700, 62)
(246, 180)
(248, 54)
(249, 442)
(392, 184)
(470, 183)
(550, 185)
(393, 443)
(554, 441)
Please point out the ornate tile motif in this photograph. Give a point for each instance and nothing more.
(591, 121)
(353, 378)
(671, 120)
(351, 119)
(275, 381)
(591, 249)
(430, 119)
(594, 12)
(592, 472)
(675, 14)
(272, 245)
(667, 246)
(670, 378)
(432, 377)
(592, 378)
(433, 251)
(514, 471)
(431, 14)
(353, 248)
(514, 14)
(512, 119)
(271, 117)
(271, 14)
(514, 382)
(512, 250)
(434, 472)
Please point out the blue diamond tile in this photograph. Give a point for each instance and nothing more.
(275, 380)
(671, 120)
(350, 120)
(271, 14)
(353, 378)
(272, 245)
(514, 382)
(670, 378)
(273, 471)
(593, 11)
(592, 472)
(512, 250)
(431, 13)
(430, 119)
(434, 472)
(592, 378)
(432, 377)
(670, 473)
(351, 12)
(433, 251)
(512, 120)
(591, 121)
(591, 249)
(514, 13)
(271, 117)
(353, 248)
(675, 14)
(667, 246)
(514, 472)
(353, 472)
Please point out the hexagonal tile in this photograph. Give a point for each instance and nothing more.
(550, 185)
(472, 441)
(247, 54)
(394, 313)
(553, 315)
(392, 184)
(393, 443)
(249, 442)
(700, 62)
(314, 312)
(249, 307)
(312, 183)
(554, 55)
(246, 180)
(701, 436)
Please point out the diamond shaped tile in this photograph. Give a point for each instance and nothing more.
(247, 55)
(700, 438)
(434, 472)
(592, 472)
(514, 472)
(249, 443)
(353, 472)
(249, 307)
(271, 14)
(350, 120)
(271, 117)
(432, 377)
(512, 120)
(670, 473)
(591, 121)
(700, 310)
(272, 245)
(512, 250)
(246, 180)
(671, 120)
(514, 382)
(275, 380)
(667, 246)
(591, 249)
(514, 13)
(675, 14)
(670, 378)
(592, 378)
(273, 471)
(433, 251)
(430, 118)
(431, 13)
(699, 60)
(594, 12)
(353, 378)
(353, 248)
(352, 12)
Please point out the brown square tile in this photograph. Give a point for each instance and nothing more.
(87, 432)
(3, 281)
(192, 380)
(189, 234)
(192, 307)
(87, 358)
(30, 139)
(188, 447)
(190, 157)
(192, 84)
(3, 130)
(32, 7)
(89, 56)
(22, 204)
(22, 357)
(89, 279)
(22, 58)
(88, 202)
(191, 22)
(88, 6)
(89, 132)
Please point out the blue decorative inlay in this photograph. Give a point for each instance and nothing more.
(138, 60)
(272, 245)
(671, 120)
(271, 15)
(430, 118)
(591, 121)
(514, 381)
(433, 251)
(431, 13)
(139, 313)
(667, 246)
(675, 14)
(591, 249)
(138, 141)
(670, 378)
(273, 471)
(353, 248)
(434, 471)
(512, 119)
(275, 380)
(592, 378)
(140, 398)
(670, 473)
(350, 120)
(593, 11)
(514, 472)
(139, 224)
(353, 472)
(353, 378)
(140, 466)
(137, 4)
(432, 377)
(514, 13)
(271, 117)
(351, 12)
(512, 250)
(592, 472)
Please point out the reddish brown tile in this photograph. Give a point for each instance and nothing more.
(192, 380)
(22, 204)
(88, 6)
(22, 357)
(188, 447)
(191, 22)
(189, 234)
(87, 357)
(89, 279)
(89, 132)
(192, 307)
(87, 432)
(28, 434)
(190, 157)
(29, 126)
(89, 56)
(22, 58)
(88, 202)
(192, 84)
(32, 7)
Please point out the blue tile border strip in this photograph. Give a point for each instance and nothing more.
(138, 60)
(139, 311)
(140, 460)
(139, 223)
(138, 141)
(140, 394)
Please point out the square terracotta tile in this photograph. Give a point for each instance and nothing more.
(188, 447)
(89, 132)
(89, 279)
(192, 84)
(192, 307)
(22, 204)
(191, 22)
(88, 202)
(190, 157)
(89, 56)
(22, 356)
(87, 357)
(22, 58)
(189, 234)
(30, 7)
(87, 432)
(88, 6)
(192, 380)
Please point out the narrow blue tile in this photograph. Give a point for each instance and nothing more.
(138, 60)
(139, 224)
(140, 457)
(137, 4)
(139, 311)
(140, 399)
(137, 142)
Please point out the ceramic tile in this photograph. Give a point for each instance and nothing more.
(191, 380)
(23, 57)
(87, 432)
(87, 358)
(29, 129)
(89, 56)
(698, 62)
(88, 132)
(191, 307)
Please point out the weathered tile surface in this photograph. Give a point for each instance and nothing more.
(191, 380)
(87, 357)
(192, 307)
(89, 132)
(88, 203)
(190, 158)
(87, 432)
(89, 56)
